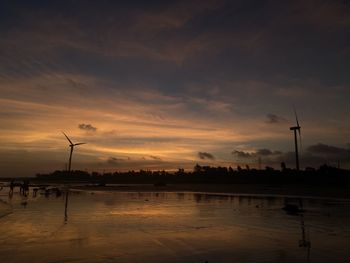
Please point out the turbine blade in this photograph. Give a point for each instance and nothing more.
(299, 132)
(79, 143)
(68, 138)
(296, 117)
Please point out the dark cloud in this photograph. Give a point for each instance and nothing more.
(184, 30)
(242, 154)
(259, 152)
(267, 152)
(151, 158)
(115, 160)
(87, 127)
(324, 149)
(273, 118)
(205, 155)
(264, 152)
(155, 157)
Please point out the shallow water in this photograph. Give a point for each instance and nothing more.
(171, 227)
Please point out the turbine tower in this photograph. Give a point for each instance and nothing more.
(296, 129)
(71, 145)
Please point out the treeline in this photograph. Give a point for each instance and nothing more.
(207, 174)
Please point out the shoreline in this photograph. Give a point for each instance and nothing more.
(336, 191)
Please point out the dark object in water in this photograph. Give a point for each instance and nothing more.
(35, 191)
(53, 190)
(159, 184)
(292, 209)
(24, 188)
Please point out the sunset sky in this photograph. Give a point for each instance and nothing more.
(168, 84)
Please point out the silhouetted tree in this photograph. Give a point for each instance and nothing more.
(268, 168)
(197, 168)
(283, 166)
(230, 170)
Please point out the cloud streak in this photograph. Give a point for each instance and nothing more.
(87, 127)
(206, 156)
(273, 119)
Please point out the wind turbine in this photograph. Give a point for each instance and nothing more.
(71, 145)
(296, 129)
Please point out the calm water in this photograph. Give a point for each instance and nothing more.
(171, 227)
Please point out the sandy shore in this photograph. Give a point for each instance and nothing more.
(328, 191)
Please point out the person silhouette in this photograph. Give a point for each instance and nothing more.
(25, 187)
(12, 185)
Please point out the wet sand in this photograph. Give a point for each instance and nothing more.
(144, 223)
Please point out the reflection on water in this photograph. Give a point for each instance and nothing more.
(171, 227)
